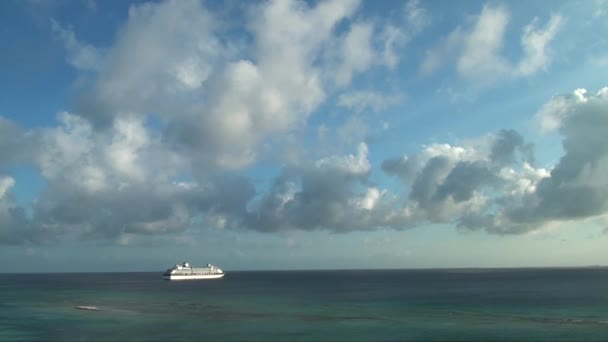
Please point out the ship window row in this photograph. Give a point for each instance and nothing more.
(192, 273)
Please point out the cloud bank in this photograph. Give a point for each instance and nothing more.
(172, 115)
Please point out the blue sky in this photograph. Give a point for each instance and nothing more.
(302, 135)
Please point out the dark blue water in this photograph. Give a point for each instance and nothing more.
(504, 304)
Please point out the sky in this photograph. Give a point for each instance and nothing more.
(302, 134)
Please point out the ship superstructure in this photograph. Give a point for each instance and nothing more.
(186, 271)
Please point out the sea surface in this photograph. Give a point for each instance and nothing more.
(403, 305)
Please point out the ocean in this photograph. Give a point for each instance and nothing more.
(356, 305)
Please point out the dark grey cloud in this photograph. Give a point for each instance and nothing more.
(104, 184)
(110, 171)
(146, 209)
(427, 181)
(512, 196)
(14, 225)
(464, 185)
(16, 144)
(578, 186)
(323, 195)
(407, 168)
(464, 179)
(109, 184)
(507, 144)
(110, 174)
(401, 167)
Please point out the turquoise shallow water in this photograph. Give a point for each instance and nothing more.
(417, 305)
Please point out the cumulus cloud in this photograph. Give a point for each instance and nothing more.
(164, 52)
(5, 184)
(368, 43)
(219, 100)
(108, 184)
(325, 194)
(111, 173)
(258, 100)
(13, 221)
(461, 184)
(575, 188)
(479, 48)
(441, 180)
(578, 186)
(499, 190)
(103, 182)
(476, 185)
(112, 184)
(16, 144)
(173, 114)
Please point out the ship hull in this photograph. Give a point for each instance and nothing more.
(193, 277)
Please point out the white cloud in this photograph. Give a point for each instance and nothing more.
(173, 105)
(324, 195)
(600, 8)
(499, 190)
(6, 183)
(81, 55)
(13, 223)
(362, 100)
(122, 153)
(16, 144)
(417, 17)
(65, 146)
(481, 57)
(578, 185)
(353, 130)
(95, 160)
(350, 164)
(535, 42)
(393, 39)
(395, 36)
(357, 53)
(462, 184)
(552, 113)
(486, 183)
(105, 183)
(221, 102)
(369, 200)
(435, 58)
(602, 60)
(161, 55)
(479, 48)
(251, 100)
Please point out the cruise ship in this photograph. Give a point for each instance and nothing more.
(185, 272)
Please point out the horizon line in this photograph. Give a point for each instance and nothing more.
(340, 269)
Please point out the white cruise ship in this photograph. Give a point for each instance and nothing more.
(185, 272)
